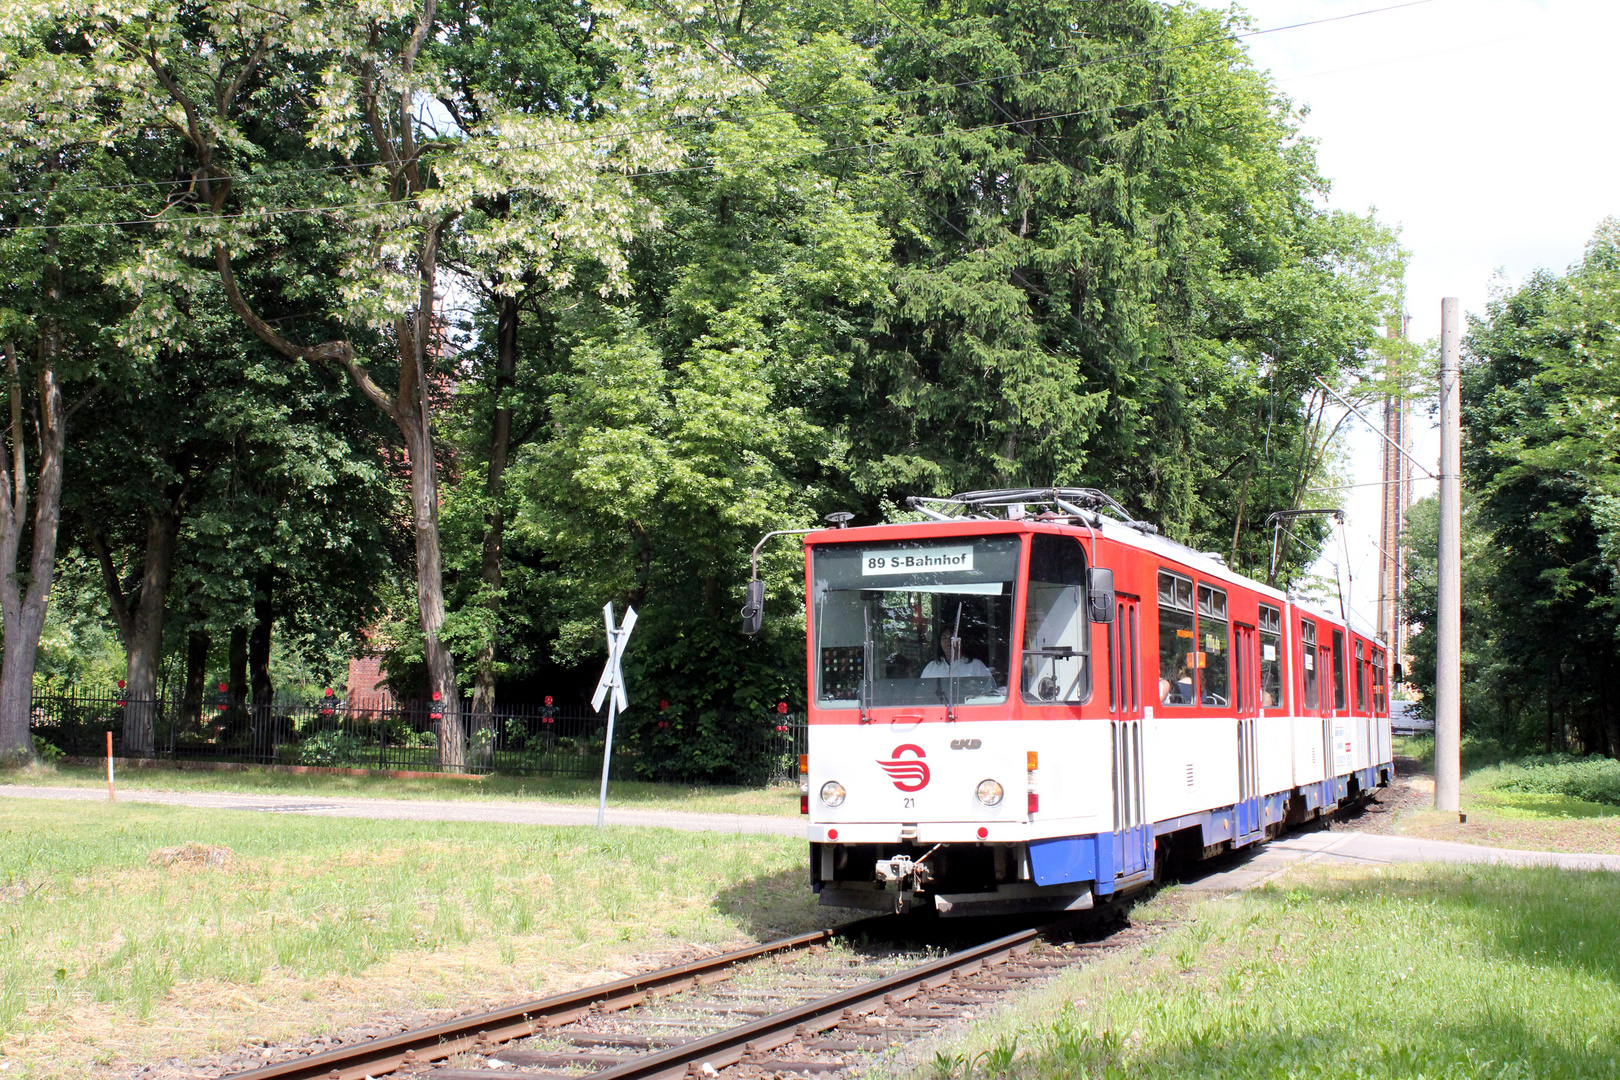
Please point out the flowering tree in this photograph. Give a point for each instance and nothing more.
(305, 137)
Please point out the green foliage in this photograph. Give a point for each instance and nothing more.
(1541, 460)
(334, 747)
(762, 266)
(47, 752)
(1591, 779)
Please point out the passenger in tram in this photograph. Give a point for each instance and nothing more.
(1175, 683)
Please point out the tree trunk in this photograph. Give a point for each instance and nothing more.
(258, 658)
(23, 608)
(198, 644)
(236, 665)
(500, 448)
(430, 591)
(144, 647)
(414, 331)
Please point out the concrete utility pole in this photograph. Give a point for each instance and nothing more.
(1448, 675)
(1395, 500)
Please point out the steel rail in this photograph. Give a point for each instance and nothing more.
(387, 1053)
(738, 1044)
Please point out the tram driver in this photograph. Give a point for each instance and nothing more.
(958, 666)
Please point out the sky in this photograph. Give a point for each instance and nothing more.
(1485, 129)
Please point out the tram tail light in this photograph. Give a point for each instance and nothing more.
(804, 783)
(1034, 765)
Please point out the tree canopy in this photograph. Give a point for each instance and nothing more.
(1541, 381)
(631, 286)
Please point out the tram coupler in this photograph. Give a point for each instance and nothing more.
(906, 875)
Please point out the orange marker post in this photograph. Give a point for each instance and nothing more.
(110, 796)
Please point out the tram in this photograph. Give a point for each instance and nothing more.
(1030, 701)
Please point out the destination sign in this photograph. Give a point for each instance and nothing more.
(932, 560)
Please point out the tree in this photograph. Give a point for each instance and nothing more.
(1114, 271)
(283, 106)
(57, 320)
(538, 61)
(1542, 455)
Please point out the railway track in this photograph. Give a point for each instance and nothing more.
(803, 1005)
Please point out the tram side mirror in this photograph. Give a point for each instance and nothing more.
(1400, 676)
(1100, 583)
(753, 612)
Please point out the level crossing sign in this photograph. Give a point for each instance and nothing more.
(611, 687)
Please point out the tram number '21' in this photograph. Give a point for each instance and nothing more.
(908, 803)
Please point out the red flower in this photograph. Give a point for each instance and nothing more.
(781, 707)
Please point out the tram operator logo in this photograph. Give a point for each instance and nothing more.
(908, 774)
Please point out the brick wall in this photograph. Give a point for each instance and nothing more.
(363, 688)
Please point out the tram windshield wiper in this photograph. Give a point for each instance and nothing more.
(866, 663)
(953, 658)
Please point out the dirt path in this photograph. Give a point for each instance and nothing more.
(1410, 794)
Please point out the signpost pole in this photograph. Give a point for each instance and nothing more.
(607, 757)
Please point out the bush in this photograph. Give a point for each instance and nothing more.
(712, 747)
(46, 752)
(336, 748)
(1590, 779)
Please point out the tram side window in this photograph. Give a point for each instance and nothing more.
(1214, 657)
(1307, 654)
(1338, 670)
(1178, 646)
(1056, 666)
(1380, 689)
(1271, 695)
(1361, 678)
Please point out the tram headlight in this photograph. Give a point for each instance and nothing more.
(990, 793)
(832, 793)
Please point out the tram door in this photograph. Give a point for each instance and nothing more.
(1133, 839)
(1247, 826)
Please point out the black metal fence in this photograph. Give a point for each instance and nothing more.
(531, 740)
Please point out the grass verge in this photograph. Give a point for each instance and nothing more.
(1546, 803)
(136, 933)
(776, 801)
(1442, 973)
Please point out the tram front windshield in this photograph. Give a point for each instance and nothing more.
(887, 618)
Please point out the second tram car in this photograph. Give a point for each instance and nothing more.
(1030, 700)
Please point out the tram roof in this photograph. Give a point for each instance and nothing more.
(1099, 515)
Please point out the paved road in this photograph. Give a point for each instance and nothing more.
(514, 813)
(1240, 871)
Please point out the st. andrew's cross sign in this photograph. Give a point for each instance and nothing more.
(611, 687)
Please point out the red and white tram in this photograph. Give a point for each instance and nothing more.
(1028, 701)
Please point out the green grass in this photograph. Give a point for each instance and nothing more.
(781, 800)
(87, 919)
(1461, 974)
(1554, 785)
